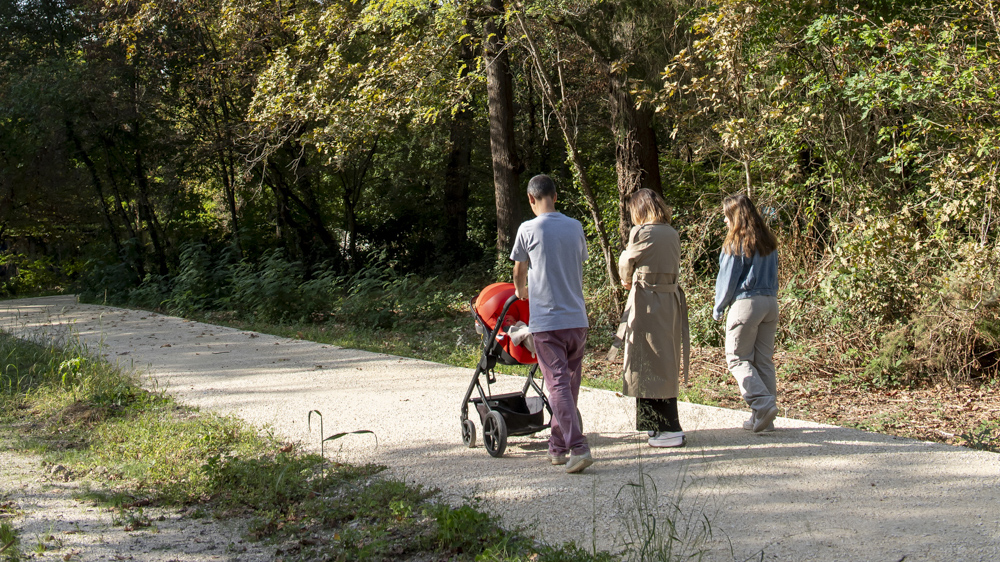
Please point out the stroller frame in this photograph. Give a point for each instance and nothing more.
(513, 413)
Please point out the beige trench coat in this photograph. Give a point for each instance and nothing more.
(655, 320)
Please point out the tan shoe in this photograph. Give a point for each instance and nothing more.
(557, 459)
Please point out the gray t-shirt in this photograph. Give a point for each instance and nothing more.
(555, 248)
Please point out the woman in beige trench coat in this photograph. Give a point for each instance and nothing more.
(655, 320)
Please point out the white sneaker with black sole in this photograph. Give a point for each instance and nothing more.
(668, 439)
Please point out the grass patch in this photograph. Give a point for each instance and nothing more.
(143, 449)
(10, 543)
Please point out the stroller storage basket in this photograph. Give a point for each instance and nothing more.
(523, 415)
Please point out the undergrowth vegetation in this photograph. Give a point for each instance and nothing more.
(280, 290)
(950, 330)
(144, 449)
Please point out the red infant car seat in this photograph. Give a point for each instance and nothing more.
(489, 305)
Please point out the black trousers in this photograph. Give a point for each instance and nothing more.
(657, 414)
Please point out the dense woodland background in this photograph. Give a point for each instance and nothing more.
(281, 158)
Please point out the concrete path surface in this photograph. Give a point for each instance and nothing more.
(805, 492)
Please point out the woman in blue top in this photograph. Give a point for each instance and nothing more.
(748, 285)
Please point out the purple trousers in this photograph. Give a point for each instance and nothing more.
(560, 357)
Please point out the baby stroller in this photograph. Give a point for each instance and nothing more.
(495, 310)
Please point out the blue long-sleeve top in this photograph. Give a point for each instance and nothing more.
(741, 277)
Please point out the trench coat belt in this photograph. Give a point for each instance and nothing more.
(641, 284)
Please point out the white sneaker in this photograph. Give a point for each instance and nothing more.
(577, 463)
(668, 439)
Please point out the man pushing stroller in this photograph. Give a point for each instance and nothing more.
(548, 256)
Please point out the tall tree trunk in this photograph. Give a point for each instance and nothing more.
(147, 214)
(458, 172)
(228, 176)
(581, 170)
(222, 127)
(307, 204)
(506, 169)
(305, 200)
(352, 181)
(351, 222)
(131, 224)
(456, 186)
(636, 153)
(293, 235)
(98, 186)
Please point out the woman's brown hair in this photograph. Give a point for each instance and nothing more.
(647, 206)
(747, 232)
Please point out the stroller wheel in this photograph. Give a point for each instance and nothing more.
(495, 434)
(468, 433)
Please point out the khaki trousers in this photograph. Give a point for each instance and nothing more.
(750, 329)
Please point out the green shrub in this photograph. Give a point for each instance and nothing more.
(268, 291)
(35, 276)
(366, 302)
(200, 281)
(106, 282)
(705, 330)
(464, 529)
(150, 294)
(872, 279)
(377, 297)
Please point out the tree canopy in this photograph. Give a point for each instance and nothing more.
(340, 134)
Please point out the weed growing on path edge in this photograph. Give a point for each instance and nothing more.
(335, 436)
(660, 527)
(10, 543)
(986, 437)
(142, 449)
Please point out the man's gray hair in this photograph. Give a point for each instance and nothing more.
(541, 186)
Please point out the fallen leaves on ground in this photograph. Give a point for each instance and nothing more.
(940, 412)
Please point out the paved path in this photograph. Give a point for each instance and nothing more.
(806, 492)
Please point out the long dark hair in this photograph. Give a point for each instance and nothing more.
(747, 232)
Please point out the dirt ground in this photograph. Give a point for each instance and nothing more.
(940, 413)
